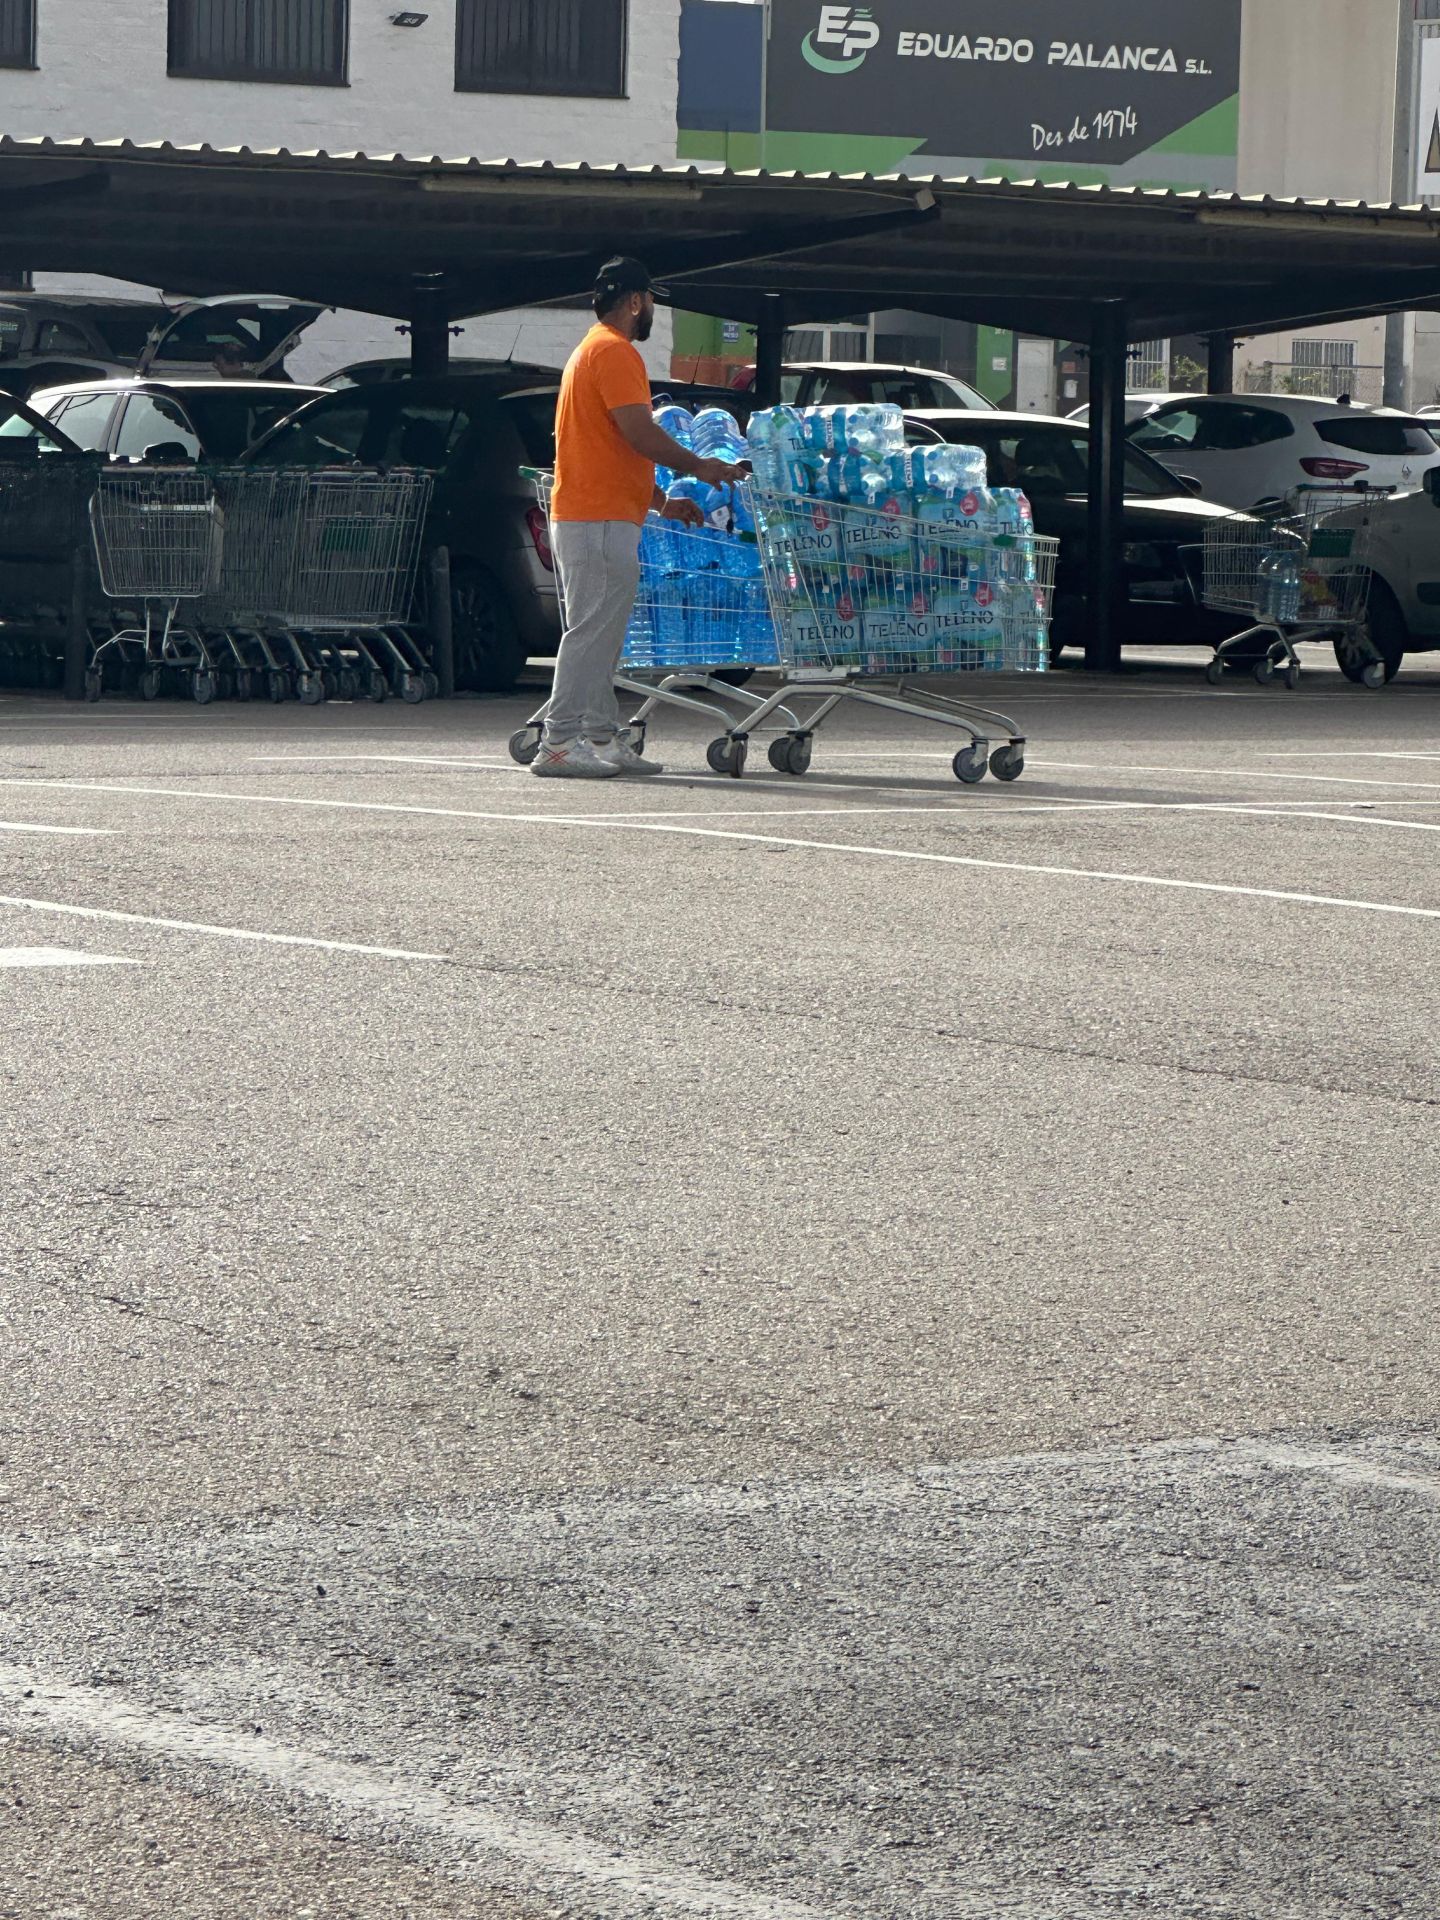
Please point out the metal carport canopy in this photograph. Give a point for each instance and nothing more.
(437, 240)
(360, 230)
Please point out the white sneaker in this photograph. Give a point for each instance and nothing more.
(619, 753)
(572, 760)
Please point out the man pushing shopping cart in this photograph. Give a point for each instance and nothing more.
(607, 447)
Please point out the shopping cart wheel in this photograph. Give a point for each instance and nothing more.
(93, 678)
(524, 745)
(202, 688)
(349, 683)
(377, 686)
(970, 764)
(310, 689)
(1007, 763)
(727, 755)
(330, 681)
(1264, 673)
(277, 684)
(790, 754)
(432, 684)
(149, 685)
(1215, 672)
(412, 688)
(1374, 675)
(1291, 676)
(244, 687)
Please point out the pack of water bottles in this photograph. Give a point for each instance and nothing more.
(703, 600)
(884, 558)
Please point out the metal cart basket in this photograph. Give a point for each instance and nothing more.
(869, 603)
(702, 612)
(315, 581)
(157, 546)
(1301, 575)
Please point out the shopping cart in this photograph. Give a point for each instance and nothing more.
(1300, 575)
(868, 603)
(315, 582)
(157, 546)
(702, 614)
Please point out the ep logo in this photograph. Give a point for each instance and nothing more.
(850, 30)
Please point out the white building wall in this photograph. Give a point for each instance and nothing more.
(102, 75)
(1317, 120)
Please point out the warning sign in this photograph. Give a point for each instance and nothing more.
(1427, 123)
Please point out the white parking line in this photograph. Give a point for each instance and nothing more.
(1234, 773)
(58, 957)
(200, 926)
(34, 1703)
(33, 826)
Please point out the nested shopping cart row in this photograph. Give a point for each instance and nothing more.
(249, 581)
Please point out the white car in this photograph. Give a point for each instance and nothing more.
(844, 383)
(1245, 448)
(1402, 557)
(1137, 405)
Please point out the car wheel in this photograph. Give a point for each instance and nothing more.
(489, 653)
(1380, 636)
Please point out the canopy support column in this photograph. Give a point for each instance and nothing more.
(1106, 526)
(1220, 355)
(769, 350)
(429, 328)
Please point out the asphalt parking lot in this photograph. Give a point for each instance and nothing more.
(852, 1347)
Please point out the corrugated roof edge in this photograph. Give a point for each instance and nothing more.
(166, 150)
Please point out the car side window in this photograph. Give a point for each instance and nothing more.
(86, 419)
(153, 421)
(1169, 431)
(423, 436)
(321, 436)
(790, 386)
(57, 336)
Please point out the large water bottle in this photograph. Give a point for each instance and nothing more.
(876, 431)
(679, 424)
(952, 469)
(1279, 582)
(717, 435)
(640, 635)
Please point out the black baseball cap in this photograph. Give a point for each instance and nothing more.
(626, 275)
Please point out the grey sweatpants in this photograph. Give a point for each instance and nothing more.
(599, 562)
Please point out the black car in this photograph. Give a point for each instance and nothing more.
(1049, 460)
(474, 432)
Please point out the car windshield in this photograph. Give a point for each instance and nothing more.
(1052, 460)
(229, 419)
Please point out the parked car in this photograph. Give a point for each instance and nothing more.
(1137, 405)
(51, 340)
(1403, 561)
(1251, 447)
(369, 373)
(474, 433)
(131, 420)
(839, 383)
(1049, 460)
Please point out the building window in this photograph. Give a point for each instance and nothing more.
(541, 46)
(296, 40)
(17, 33)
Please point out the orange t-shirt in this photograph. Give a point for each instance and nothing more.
(598, 474)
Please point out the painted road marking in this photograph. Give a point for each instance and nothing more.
(33, 1703)
(1238, 773)
(200, 926)
(32, 826)
(58, 957)
(621, 823)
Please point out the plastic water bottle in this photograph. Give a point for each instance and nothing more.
(640, 635)
(1279, 582)
(679, 424)
(952, 469)
(717, 435)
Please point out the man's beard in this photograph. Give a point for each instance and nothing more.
(645, 325)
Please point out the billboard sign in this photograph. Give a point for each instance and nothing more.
(1004, 79)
